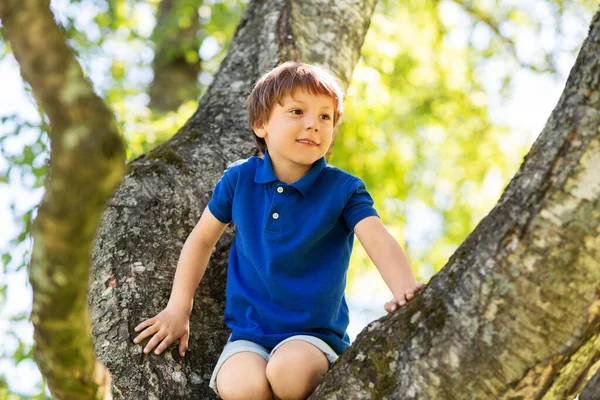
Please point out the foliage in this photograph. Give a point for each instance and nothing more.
(417, 127)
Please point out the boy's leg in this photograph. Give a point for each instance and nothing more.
(243, 377)
(296, 367)
(240, 372)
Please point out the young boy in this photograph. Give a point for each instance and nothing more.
(295, 220)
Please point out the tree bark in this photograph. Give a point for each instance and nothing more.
(591, 391)
(87, 158)
(176, 64)
(149, 217)
(515, 312)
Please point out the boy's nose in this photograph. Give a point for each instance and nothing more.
(312, 124)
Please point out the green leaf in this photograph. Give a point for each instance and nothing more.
(6, 258)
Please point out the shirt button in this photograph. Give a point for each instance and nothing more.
(275, 215)
(279, 189)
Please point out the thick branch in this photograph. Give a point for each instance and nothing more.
(591, 391)
(86, 164)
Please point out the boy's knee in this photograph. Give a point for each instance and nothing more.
(295, 370)
(244, 390)
(243, 377)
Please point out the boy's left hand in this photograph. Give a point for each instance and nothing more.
(395, 303)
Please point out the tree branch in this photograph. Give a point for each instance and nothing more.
(509, 43)
(175, 71)
(87, 162)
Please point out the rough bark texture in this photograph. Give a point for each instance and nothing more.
(86, 164)
(151, 214)
(515, 312)
(175, 76)
(592, 388)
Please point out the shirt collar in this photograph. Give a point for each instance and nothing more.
(264, 171)
(264, 174)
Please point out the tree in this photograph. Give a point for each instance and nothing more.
(176, 63)
(88, 156)
(123, 270)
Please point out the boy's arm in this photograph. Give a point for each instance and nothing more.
(193, 260)
(173, 322)
(390, 260)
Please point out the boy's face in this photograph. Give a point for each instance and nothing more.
(299, 130)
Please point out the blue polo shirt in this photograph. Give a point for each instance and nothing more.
(288, 261)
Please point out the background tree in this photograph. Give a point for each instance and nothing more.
(416, 145)
(88, 157)
(176, 62)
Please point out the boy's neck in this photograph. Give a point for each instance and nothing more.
(288, 172)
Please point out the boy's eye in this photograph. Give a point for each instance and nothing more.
(296, 112)
(326, 116)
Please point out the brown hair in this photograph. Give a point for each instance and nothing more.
(284, 80)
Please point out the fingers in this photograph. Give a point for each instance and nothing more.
(164, 344)
(394, 304)
(183, 344)
(151, 330)
(390, 306)
(410, 293)
(160, 335)
(145, 324)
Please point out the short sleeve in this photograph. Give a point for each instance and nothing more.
(358, 206)
(220, 205)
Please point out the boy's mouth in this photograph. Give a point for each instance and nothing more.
(307, 142)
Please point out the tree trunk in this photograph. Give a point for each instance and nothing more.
(88, 158)
(149, 217)
(591, 391)
(176, 64)
(515, 312)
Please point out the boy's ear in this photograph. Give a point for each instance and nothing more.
(259, 129)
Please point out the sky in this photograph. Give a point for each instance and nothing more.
(526, 112)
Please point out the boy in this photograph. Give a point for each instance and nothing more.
(295, 220)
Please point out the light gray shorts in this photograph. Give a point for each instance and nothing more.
(239, 346)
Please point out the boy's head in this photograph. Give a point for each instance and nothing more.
(283, 81)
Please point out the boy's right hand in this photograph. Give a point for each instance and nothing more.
(166, 327)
